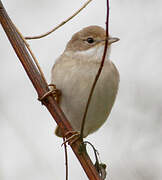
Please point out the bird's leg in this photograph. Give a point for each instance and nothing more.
(55, 92)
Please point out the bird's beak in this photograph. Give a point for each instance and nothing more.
(112, 40)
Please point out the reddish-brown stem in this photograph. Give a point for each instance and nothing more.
(66, 158)
(41, 87)
(99, 71)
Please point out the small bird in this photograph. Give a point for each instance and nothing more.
(74, 72)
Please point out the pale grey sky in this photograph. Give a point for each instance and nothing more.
(130, 142)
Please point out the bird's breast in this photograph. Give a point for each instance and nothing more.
(75, 79)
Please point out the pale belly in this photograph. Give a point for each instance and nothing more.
(75, 82)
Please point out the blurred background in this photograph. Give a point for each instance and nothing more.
(130, 142)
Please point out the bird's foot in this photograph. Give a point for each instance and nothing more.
(55, 92)
(72, 137)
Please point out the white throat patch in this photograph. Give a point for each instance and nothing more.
(92, 54)
(95, 52)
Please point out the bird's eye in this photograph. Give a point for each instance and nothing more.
(90, 40)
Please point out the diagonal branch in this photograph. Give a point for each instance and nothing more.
(41, 87)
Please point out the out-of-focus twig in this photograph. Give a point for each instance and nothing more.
(41, 87)
(61, 24)
(32, 54)
(66, 158)
(99, 70)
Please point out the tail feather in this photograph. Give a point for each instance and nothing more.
(58, 132)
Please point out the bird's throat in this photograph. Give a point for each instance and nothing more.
(93, 54)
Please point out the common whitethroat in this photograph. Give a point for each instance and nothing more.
(74, 72)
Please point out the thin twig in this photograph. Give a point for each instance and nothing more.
(42, 87)
(94, 150)
(99, 70)
(66, 158)
(32, 54)
(61, 24)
